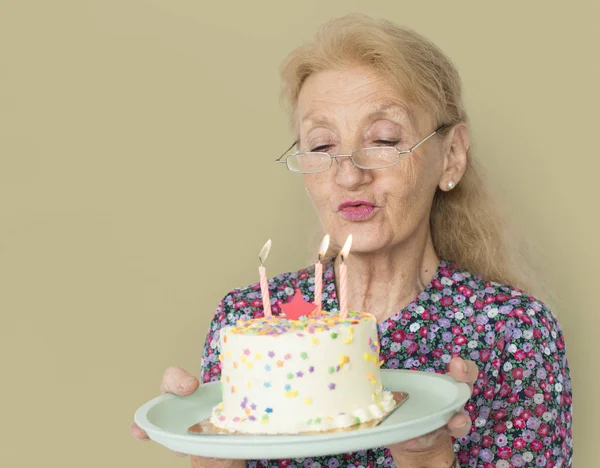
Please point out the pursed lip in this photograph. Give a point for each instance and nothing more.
(351, 203)
(356, 210)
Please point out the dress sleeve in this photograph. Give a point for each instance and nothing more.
(522, 414)
(210, 368)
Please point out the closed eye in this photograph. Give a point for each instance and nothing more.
(387, 142)
(320, 149)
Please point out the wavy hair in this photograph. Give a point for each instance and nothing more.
(467, 226)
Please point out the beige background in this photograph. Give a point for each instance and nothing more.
(137, 186)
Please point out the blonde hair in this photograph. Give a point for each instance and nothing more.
(466, 225)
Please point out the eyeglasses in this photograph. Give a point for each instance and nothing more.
(376, 157)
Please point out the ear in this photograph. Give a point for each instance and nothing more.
(456, 145)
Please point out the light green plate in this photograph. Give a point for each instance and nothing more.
(433, 400)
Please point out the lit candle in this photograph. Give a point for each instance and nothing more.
(264, 285)
(344, 278)
(319, 273)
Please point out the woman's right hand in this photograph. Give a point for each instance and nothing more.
(177, 381)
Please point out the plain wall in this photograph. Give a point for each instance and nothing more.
(137, 186)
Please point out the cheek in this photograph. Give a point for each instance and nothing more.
(407, 187)
(318, 188)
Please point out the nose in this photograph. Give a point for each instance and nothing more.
(348, 175)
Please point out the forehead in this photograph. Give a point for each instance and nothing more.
(354, 93)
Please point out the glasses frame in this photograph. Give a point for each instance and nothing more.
(280, 159)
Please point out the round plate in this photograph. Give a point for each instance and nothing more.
(433, 400)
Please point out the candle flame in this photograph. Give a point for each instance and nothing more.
(324, 246)
(264, 252)
(346, 249)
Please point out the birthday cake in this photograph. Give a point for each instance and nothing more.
(303, 374)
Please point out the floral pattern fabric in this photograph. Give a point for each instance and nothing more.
(521, 406)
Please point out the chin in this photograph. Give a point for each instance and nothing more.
(363, 240)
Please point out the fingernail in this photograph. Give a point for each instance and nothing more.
(463, 423)
(465, 367)
(186, 382)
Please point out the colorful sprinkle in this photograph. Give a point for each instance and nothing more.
(291, 394)
(247, 352)
(287, 356)
(268, 410)
(258, 356)
(279, 363)
(290, 376)
(308, 401)
(299, 374)
(315, 340)
(268, 367)
(271, 354)
(287, 387)
(311, 369)
(267, 384)
(334, 335)
(332, 386)
(373, 345)
(304, 355)
(331, 370)
(371, 357)
(323, 322)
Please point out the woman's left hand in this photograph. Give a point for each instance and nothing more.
(459, 426)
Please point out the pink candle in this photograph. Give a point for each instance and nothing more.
(264, 285)
(264, 290)
(344, 278)
(319, 273)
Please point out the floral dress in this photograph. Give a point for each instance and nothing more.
(521, 406)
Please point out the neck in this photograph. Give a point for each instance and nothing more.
(384, 282)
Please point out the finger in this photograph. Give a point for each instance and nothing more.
(179, 382)
(423, 442)
(463, 370)
(459, 425)
(138, 433)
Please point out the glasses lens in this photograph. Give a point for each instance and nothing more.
(372, 158)
(308, 163)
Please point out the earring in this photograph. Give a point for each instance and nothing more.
(450, 185)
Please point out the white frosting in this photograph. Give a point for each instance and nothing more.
(286, 376)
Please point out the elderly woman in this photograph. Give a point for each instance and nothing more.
(382, 146)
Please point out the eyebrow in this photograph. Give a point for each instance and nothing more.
(384, 110)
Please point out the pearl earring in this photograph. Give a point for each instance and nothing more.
(450, 185)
